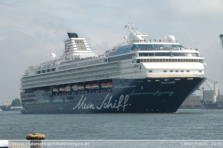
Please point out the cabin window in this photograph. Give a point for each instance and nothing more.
(162, 54)
(143, 54)
(180, 54)
(195, 54)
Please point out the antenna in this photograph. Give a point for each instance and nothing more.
(131, 27)
(221, 37)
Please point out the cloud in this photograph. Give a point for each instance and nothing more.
(31, 30)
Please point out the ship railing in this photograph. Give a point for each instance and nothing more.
(78, 71)
(164, 49)
(81, 59)
(68, 81)
(86, 77)
(81, 92)
(154, 41)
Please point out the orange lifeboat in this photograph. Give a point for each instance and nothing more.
(106, 85)
(109, 85)
(55, 89)
(89, 86)
(81, 87)
(95, 86)
(62, 89)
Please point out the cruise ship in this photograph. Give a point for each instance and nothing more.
(136, 76)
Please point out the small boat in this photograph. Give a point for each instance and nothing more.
(109, 85)
(89, 86)
(81, 87)
(106, 85)
(95, 86)
(75, 87)
(62, 89)
(55, 89)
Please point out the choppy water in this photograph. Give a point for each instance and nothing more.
(191, 124)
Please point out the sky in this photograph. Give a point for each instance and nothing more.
(31, 30)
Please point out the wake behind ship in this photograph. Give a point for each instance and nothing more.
(137, 76)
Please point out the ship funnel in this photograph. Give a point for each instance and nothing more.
(72, 35)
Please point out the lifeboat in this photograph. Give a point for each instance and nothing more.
(89, 86)
(106, 85)
(109, 85)
(81, 87)
(75, 87)
(95, 86)
(55, 89)
(103, 85)
(62, 89)
(67, 88)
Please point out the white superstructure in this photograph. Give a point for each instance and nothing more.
(135, 58)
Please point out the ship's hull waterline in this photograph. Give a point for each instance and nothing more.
(156, 95)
